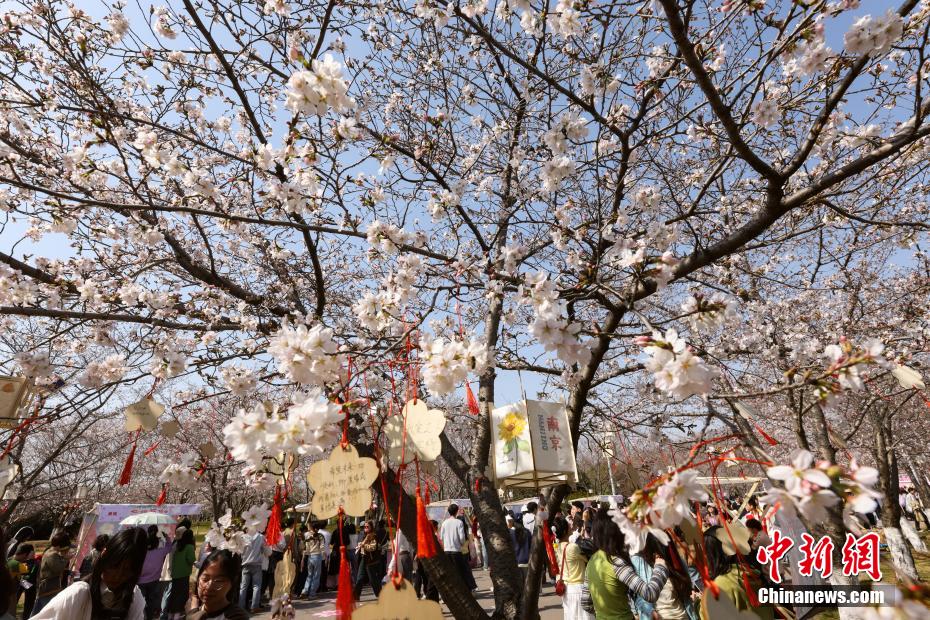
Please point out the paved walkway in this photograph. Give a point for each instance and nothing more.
(550, 605)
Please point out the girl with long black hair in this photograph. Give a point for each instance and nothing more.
(218, 588)
(111, 591)
(609, 575)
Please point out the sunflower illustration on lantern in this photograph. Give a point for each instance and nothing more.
(511, 430)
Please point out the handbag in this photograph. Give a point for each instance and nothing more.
(560, 583)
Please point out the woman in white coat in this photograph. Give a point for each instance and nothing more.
(111, 592)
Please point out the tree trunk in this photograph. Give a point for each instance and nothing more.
(911, 535)
(441, 571)
(887, 464)
(900, 554)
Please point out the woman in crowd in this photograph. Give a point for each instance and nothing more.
(572, 563)
(674, 602)
(712, 516)
(150, 580)
(87, 564)
(728, 574)
(53, 570)
(182, 565)
(111, 593)
(218, 589)
(610, 578)
(371, 563)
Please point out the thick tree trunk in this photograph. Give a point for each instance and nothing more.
(455, 594)
(911, 535)
(887, 464)
(901, 556)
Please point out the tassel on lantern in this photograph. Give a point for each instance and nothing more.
(126, 475)
(552, 564)
(771, 440)
(426, 541)
(163, 496)
(345, 599)
(273, 529)
(471, 400)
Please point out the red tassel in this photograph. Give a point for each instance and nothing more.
(345, 599)
(753, 599)
(471, 400)
(426, 541)
(273, 530)
(552, 564)
(768, 438)
(126, 474)
(163, 496)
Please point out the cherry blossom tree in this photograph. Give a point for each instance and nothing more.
(639, 204)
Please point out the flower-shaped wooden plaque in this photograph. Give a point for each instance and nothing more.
(723, 609)
(399, 603)
(143, 415)
(424, 425)
(738, 533)
(170, 428)
(343, 479)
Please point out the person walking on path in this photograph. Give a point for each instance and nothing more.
(256, 550)
(182, 565)
(454, 534)
(53, 570)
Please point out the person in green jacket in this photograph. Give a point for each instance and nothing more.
(609, 577)
(727, 573)
(182, 564)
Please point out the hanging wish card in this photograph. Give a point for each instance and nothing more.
(421, 427)
(399, 603)
(722, 609)
(170, 428)
(343, 479)
(143, 415)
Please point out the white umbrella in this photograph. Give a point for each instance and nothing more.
(148, 518)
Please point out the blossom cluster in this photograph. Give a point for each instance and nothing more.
(658, 508)
(446, 363)
(706, 314)
(389, 238)
(550, 328)
(181, 473)
(874, 35)
(232, 534)
(99, 373)
(240, 381)
(308, 426)
(675, 368)
(318, 90)
(568, 128)
(813, 487)
(306, 356)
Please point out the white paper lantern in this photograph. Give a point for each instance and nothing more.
(532, 445)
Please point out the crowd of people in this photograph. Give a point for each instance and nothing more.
(142, 574)
(135, 574)
(598, 577)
